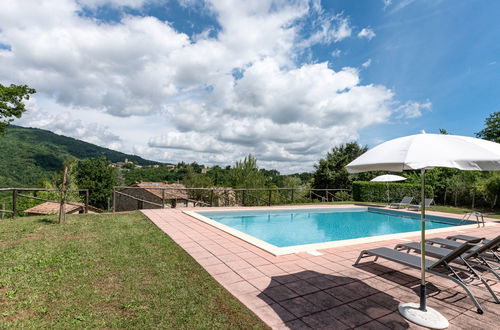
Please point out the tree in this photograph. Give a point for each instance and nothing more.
(96, 175)
(492, 130)
(12, 103)
(331, 172)
(246, 174)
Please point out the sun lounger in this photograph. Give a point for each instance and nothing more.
(417, 207)
(465, 238)
(404, 203)
(472, 258)
(439, 267)
(487, 252)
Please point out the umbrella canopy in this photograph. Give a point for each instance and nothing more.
(427, 151)
(388, 178)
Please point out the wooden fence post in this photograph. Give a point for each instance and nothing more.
(3, 208)
(14, 203)
(62, 208)
(162, 198)
(293, 195)
(87, 201)
(244, 194)
(211, 197)
(270, 197)
(114, 200)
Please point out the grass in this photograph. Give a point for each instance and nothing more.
(113, 271)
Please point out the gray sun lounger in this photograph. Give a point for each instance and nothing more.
(417, 207)
(439, 267)
(465, 238)
(472, 258)
(487, 250)
(404, 203)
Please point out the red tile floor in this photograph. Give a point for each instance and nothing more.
(302, 291)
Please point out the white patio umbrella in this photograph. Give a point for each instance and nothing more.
(388, 178)
(424, 152)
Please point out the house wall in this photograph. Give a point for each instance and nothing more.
(124, 203)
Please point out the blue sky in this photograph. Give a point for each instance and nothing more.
(211, 81)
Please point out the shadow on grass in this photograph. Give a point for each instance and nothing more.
(311, 299)
(48, 220)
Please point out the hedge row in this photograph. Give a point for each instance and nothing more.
(363, 191)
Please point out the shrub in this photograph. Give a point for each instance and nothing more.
(363, 191)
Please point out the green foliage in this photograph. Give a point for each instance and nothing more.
(246, 174)
(291, 181)
(99, 177)
(12, 103)
(220, 176)
(363, 191)
(28, 155)
(331, 172)
(490, 188)
(492, 130)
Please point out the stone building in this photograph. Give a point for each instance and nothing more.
(151, 195)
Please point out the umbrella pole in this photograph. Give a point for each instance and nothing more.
(420, 313)
(423, 288)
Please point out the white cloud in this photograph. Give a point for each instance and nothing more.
(61, 121)
(366, 33)
(411, 109)
(367, 63)
(116, 3)
(140, 85)
(336, 53)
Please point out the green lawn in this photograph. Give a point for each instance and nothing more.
(113, 271)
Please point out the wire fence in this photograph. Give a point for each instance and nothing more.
(127, 198)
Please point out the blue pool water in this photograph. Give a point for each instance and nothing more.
(284, 228)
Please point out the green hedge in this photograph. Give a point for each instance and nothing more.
(363, 191)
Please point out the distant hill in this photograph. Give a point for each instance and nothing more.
(27, 155)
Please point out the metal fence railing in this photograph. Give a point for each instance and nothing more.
(127, 198)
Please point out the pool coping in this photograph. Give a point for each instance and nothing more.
(280, 251)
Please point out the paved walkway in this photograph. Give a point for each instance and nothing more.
(302, 291)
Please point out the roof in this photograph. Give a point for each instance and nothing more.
(172, 190)
(53, 208)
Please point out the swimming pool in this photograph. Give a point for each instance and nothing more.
(297, 227)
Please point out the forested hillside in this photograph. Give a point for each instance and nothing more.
(27, 155)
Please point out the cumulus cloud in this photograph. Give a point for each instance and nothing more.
(64, 122)
(336, 53)
(211, 97)
(116, 3)
(366, 33)
(411, 109)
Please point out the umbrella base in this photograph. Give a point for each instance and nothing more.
(431, 318)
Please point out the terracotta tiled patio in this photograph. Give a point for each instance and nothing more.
(302, 291)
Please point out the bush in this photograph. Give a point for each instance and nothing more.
(363, 191)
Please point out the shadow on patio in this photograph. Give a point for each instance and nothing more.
(311, 299)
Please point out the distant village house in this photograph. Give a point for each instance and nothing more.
(152, 195)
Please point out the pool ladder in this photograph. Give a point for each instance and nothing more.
(478, 215)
